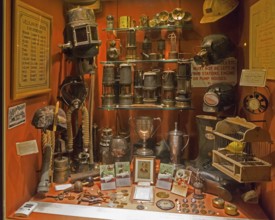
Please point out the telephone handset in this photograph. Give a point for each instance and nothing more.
(255, 103)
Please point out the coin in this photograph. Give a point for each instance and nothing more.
(124, 190)
(125, 194)
(202, 206)
(123, 203)
(120, 206)
(185, 205)
(162, 195)
(185, 210)
(185, 200)
(140, 207)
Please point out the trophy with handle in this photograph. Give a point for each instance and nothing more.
(144, 128)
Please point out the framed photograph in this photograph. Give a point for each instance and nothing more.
(31, 51)
(144, 169)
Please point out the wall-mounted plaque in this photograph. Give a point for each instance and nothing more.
(31, 57)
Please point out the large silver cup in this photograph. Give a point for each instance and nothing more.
(144, 127)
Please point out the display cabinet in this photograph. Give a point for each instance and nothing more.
(145, 70)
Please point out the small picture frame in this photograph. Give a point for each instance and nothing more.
(144, 169)
(143, 193)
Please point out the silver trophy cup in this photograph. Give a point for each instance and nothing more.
(144, 127)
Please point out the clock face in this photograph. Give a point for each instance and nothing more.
(255, 103)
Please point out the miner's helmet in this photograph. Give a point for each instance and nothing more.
(44, 119)
(214, 10)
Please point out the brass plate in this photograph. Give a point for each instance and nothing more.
(162, 195)
(165, 204)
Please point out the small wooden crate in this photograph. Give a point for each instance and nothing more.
(254, 170)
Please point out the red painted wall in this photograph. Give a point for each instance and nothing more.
(21, 172)
(268, 188)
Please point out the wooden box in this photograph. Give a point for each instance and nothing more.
(254, 170)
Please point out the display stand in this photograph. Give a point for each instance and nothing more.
(67, 209)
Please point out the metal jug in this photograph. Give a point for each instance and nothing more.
(176, 144)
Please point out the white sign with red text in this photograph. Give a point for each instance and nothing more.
(204, 76)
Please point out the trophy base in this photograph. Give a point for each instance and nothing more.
(144, 152)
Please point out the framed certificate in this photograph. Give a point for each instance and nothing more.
(31, 55)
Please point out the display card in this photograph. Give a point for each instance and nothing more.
(123, 177)
(107, 177)
(165, 176)
(181, 181)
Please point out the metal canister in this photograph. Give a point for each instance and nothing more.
(125, 74)
(125, 100)
(61, 170)
(108, 74)
(150, 80)
(168, 80)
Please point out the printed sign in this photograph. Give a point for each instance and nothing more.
(17, 115)
(204, 76)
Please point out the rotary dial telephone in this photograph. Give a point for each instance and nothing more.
(255, 103)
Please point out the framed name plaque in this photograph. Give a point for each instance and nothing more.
(31, 57)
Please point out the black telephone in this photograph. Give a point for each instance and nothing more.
(255, 103)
